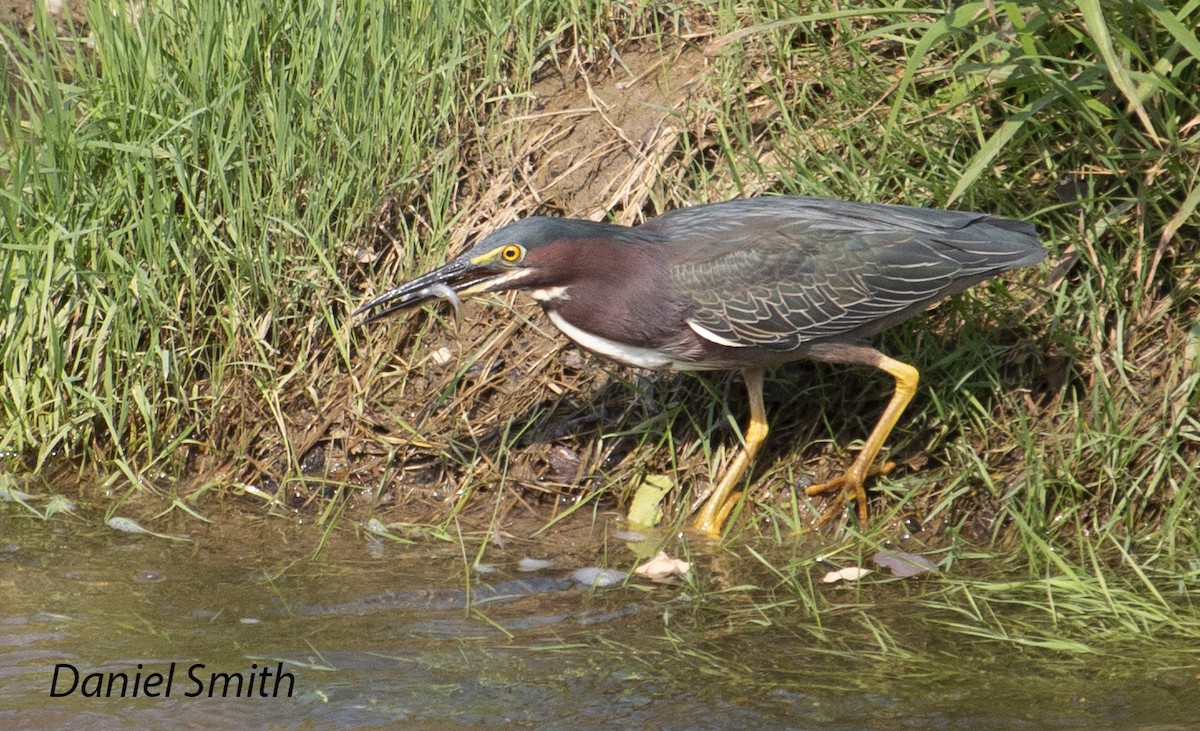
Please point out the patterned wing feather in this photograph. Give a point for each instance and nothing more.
(781, 272)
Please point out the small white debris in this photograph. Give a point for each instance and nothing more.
(9, 493)
(442, 355)
(850, 573)
(374, 525)
(903, 563)
(126, 525)
(533, 564)
(59, 504)
(129, 525)
(662, 567)
(598, 578)
(629, 536)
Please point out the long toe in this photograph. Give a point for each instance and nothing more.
(847, 486)
(835, 508)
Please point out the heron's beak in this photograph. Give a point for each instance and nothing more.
(458, 276)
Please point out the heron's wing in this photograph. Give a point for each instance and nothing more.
(780, 272)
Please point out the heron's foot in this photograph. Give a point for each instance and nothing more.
(711, 519)
(848, 486)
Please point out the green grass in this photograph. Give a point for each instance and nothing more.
(195, 199)
(182, 203)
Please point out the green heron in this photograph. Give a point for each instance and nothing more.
(748, 284)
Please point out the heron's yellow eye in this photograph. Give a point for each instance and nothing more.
(512, 253)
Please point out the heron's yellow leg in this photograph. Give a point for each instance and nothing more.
(850, 483)
(716, 508)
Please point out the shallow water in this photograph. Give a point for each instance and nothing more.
(378, 634)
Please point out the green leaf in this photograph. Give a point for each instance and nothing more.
(644, 511)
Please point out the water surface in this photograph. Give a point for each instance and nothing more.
(378, 634)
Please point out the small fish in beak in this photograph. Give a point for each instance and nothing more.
(443, 283)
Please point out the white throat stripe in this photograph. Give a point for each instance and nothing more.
(630, 355)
